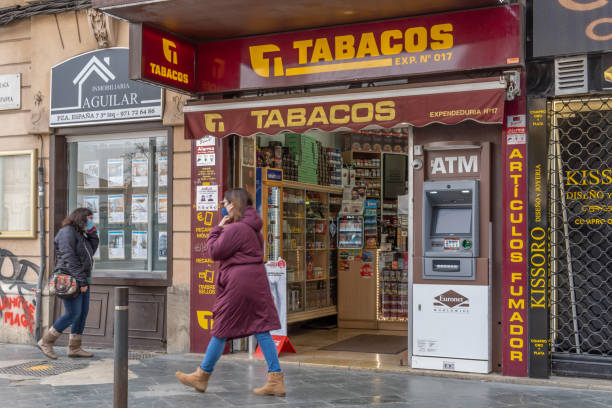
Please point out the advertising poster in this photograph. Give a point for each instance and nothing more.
(202, 268)
(162, 171)
(162, 205)
(115, 172)
(116, 209)
(162, 246)
(277, 277)
(205, 151)
(140, 206)
(140, 172)
(116, 245)
(91, 174)
(207, 198)
(139, 244)
(92, 203)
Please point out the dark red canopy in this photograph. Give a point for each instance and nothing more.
(448, 103)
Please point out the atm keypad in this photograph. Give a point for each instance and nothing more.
(452, 243)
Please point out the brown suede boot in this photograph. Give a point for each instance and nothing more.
(46, 343)
(198, 379)
(74, 347)
(275, 386)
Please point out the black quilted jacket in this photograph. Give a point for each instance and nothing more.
(74, 252)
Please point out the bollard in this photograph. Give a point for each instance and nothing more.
(120, 389)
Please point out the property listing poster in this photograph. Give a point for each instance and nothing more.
(162, 245)
(140, 172)
(115, 172)
(139, 244)
(91, 174)
(92, 203)
(140, 208)
(116, 245)
(205, 215)
(162, 209)
(162, 171)
(116, 209)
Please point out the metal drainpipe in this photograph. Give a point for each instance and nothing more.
(43, 255)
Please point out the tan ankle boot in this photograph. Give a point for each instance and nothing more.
(74, 347)
(198, 379)
(275, 386)
(46, 343)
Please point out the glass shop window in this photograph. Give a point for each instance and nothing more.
(124, 181)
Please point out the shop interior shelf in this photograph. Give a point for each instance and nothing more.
(316, 249)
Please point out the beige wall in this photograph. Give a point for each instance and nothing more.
(178, 294)
(31, 47)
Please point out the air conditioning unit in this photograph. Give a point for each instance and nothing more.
(571, 75)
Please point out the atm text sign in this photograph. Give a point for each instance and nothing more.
(166, 59)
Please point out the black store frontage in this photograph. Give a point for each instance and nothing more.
(570, 174)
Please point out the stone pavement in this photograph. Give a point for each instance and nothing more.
(25, 381)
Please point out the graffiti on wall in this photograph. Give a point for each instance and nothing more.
(17, 296)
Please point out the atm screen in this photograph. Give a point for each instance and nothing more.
(452, 221)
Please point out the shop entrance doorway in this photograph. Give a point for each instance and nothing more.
(580, 163)
(335, 208)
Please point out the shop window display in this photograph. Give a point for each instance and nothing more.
(125, 184)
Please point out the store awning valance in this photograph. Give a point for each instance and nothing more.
(447, 103)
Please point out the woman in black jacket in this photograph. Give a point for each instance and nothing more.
(75, 245)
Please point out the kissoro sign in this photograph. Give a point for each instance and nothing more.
(437, 43)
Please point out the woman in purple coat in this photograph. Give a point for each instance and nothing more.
(244, 304)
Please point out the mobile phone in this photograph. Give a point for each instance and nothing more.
(224, 212)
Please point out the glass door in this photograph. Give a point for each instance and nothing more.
(273, 250)
(294, 212)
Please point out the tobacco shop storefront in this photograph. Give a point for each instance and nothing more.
(381, 170)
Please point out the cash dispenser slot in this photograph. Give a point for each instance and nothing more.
(445, 265)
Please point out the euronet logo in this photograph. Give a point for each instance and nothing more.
(451, 302)
(350, 52)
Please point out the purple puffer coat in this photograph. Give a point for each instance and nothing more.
(244, 304)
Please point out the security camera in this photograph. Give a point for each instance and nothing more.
(417, 164)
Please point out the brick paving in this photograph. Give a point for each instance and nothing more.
(152, 384)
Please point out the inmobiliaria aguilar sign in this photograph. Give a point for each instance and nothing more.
(467, 40)
(94, 88)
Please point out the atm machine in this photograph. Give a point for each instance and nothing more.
(451, 292)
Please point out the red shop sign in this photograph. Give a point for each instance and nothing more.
(459, 41)
(162, 58)
(448, 103)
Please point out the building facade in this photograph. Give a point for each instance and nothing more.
(101, 141)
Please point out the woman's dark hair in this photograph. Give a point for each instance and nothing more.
(78, 219)
(241, 199)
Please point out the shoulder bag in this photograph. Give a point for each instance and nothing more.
(63, 285)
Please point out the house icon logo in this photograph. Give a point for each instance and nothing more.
(95, 88)
(93, 66)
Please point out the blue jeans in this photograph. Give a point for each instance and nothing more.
(217, 345)
(76, 314)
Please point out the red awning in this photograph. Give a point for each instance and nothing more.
(448, 103)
